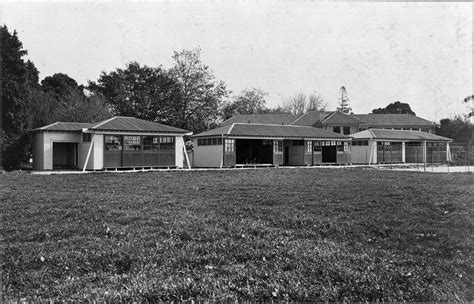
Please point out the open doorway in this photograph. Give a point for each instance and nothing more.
(329, 154)
(64, 155)
(253, 151)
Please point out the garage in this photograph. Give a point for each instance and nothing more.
(254, 151)
(64, 155)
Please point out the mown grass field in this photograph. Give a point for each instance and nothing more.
(270, 234)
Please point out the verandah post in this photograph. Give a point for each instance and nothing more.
(88, 154)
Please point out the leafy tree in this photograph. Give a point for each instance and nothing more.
(344, 101)
(471, 108)
(60, 84)
(458, 129)
(140, 91)
(201, 95)
(249, 101)
(396, 107)
(17, 79)
(14, 83)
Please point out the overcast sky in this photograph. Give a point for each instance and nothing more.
(419, 53)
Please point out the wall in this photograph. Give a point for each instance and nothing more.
(179, 154)
(38, 151)
(297, 155)
(207, 156)
(44, 147)
(343, 157)
(360, 154)
(96, 158)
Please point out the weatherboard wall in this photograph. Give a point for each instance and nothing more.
(43, 147)
(208, 156)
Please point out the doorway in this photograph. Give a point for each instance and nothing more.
(329, 154)
(64, 155)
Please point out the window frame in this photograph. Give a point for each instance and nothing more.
(117, 138)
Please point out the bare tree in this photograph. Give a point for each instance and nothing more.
(295, 105)
(316, 103)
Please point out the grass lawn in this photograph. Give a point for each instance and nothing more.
(269, 234)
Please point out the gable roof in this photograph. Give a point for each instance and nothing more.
(398, 135)
(393, 120)
(310, 118)
(64, 126)
(266, 130)
(273, 119)
(115, 124)
(339, 118)
(132, 124)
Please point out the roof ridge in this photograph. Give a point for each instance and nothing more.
(373, 134)
(231, 127)
(330, 115)
(278, 125)
(103, 122)
(301, 116)
(50, 125)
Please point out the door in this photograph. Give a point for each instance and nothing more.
(64, 155)
(287, 156)
(329, 154)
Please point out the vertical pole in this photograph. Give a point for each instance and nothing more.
(185, 153)
(403, 152)
(88, 154)
(424, 156)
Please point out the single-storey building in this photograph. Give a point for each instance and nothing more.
(398, 146)
(240, 144)
(118, 142)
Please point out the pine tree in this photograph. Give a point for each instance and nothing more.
(344, 101)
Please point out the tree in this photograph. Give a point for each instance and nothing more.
(18, 78)
(140, 91)
(396, 107)
(201, 96)
(316, 103)
(249, 101)
(296, 105)
(458, 129)
(60, 84)
(344, 101)
(471, 108)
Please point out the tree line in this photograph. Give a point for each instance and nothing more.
(186, 95)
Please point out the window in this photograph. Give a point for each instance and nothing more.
(151, 143)
(229, 145)
(267, 142)
(340, 146)
(360, 142)
(346, 130)
(166, 142)
(113, 142)
(347, 147)
(317, 146)
(297, 143)
(131, 143)
(336, 129)
(277, 146)
(309, 146)
(209, 141)
(86, 137)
